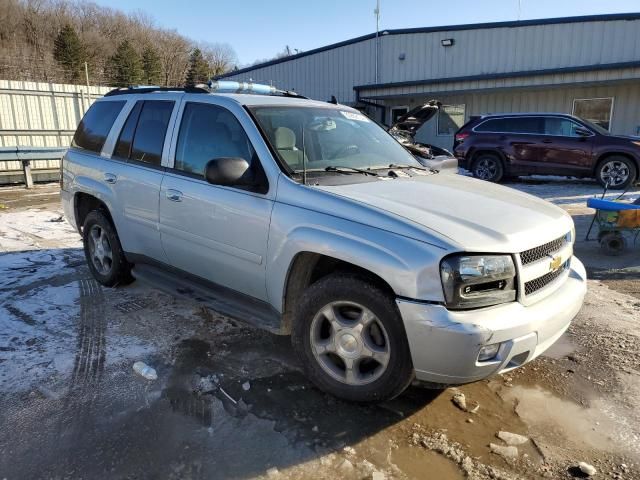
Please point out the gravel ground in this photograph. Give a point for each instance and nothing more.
(231, 402)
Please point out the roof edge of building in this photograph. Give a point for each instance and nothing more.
(493, 76)
(444, 28)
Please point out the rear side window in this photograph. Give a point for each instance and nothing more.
(142, 136)
(208, 132)
(123, 147)
(95, 126)
(495, 125)
(529, 125)
(150, 131)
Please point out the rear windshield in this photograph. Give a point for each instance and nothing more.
(96, 124)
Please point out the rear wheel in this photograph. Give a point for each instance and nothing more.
(488, 166)
(103, 251)
(616, 171)
(351, 340)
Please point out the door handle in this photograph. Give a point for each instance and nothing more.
(110, 178)
(546, 140)
(174, 195)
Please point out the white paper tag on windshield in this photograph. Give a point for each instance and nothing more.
(354, 116)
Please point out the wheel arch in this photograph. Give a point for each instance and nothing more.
(473, 156)
(307, 268)
(84, 203)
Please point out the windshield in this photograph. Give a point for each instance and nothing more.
(322, 137)
(595, 126)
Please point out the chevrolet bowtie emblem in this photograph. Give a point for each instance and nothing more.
(555, 263)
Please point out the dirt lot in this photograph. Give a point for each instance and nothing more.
(230, 401)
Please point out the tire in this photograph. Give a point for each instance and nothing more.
(325, 347)
(619, 171)
(103, 251)
(612, 243)
(488, 166)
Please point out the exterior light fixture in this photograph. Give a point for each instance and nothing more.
(401, 56)
(446, 42)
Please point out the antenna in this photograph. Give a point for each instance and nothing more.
(376, 12)
(304, 161)
(519, 9)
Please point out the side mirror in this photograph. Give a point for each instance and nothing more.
(229, 171)
(583, 132)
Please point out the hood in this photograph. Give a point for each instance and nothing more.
(471, 215)
(631, 138)
(410, 122)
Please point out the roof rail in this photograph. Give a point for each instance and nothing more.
(129, 90)
(213, 87)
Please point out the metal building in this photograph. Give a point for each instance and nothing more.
(589, 66)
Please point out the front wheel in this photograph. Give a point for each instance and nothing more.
(350, 338)
(488, 166)
(617, 172)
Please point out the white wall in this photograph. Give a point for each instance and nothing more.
(42, 114)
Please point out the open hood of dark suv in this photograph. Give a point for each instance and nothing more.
(410, 122)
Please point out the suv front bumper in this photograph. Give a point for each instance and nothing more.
(445, 344)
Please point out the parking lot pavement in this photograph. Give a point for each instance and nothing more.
(231, 402)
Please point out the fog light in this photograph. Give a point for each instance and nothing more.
(488, 352)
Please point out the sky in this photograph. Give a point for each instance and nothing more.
(260, 29)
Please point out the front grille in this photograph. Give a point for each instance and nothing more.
(535, 254)
(536, 284)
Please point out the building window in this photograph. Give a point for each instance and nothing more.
(397, 112)
(450, 119)
(595, 110)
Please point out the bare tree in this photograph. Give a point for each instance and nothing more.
(28, 29)
(173, 50)
(221, 57)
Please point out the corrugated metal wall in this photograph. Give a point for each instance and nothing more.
(42, 114)
(476, 51)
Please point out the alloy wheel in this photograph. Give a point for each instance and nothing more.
(486, 169)
(615, 173)
(350, 343)
(100, 250)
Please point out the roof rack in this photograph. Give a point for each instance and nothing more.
(151, 89)
(213, 86)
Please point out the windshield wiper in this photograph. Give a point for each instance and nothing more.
(339, 169)
(425, 169)
(395, 165)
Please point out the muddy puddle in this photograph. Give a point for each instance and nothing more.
(418, 464)
(602, 426)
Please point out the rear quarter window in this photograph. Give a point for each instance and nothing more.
(96, 124)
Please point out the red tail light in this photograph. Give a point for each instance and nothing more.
(461, 136)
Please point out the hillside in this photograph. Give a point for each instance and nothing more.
(50, 40)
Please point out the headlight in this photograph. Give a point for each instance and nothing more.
(472, 281)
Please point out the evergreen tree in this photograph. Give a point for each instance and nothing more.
(198, 69)
(125, 66)
(151, 68)
(69, 52)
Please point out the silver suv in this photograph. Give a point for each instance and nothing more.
(309, 220)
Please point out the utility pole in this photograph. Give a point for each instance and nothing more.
(377, 14)
(86, 74)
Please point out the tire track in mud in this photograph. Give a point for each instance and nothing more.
(91, 344)
(77, 413)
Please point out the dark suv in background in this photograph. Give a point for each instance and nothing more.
(493, 147)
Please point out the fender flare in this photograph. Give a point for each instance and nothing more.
(373, 257)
